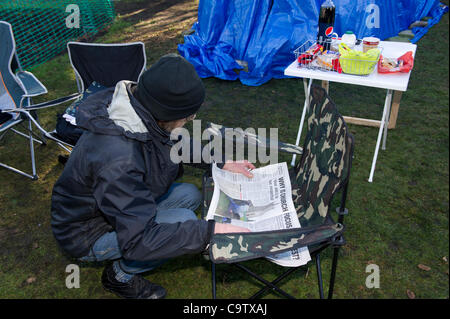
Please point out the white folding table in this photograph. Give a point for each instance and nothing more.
(397, 82)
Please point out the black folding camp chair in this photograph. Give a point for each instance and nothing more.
(17, 88)
(99, 65)
(322, 171)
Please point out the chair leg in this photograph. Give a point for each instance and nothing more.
(26, 136)
(274, 282)
(267, 283)
(319, 276)
(33, 163)
(34, 175)
(213, 275)
(18, 171)
(42, 135)
(333, 272)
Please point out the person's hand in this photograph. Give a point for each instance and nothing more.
(242, 167)
(228, 228)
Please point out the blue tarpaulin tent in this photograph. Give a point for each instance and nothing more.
(265, 33)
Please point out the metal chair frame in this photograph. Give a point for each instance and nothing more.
(29, 87)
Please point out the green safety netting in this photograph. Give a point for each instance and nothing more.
(42, 28)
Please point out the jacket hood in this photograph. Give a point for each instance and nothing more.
(122, 112)
(115, 111)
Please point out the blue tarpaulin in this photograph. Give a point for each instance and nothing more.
(265, 33)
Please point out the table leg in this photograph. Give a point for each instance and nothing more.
(380, 132)
(386, 124)
(326, 86)
(305, 108)
(394, 109)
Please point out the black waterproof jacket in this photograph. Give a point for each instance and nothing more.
(110, 183)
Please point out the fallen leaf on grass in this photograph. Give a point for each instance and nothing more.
(411, 294)
(30, 280)
(445, 259)
(424, 267)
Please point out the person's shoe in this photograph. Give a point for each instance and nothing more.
(136, 288)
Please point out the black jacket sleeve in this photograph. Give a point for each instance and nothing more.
(128, 205)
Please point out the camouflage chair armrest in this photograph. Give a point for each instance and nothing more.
(251, 139)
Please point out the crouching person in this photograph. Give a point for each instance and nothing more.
(116, 198)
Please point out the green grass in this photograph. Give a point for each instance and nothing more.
(397, 222)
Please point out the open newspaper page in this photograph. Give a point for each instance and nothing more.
(261, 203)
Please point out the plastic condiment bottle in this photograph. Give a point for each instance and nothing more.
(349, 38)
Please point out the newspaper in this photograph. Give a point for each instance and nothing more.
(261, 203)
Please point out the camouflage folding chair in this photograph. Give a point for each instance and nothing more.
(323, 170)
